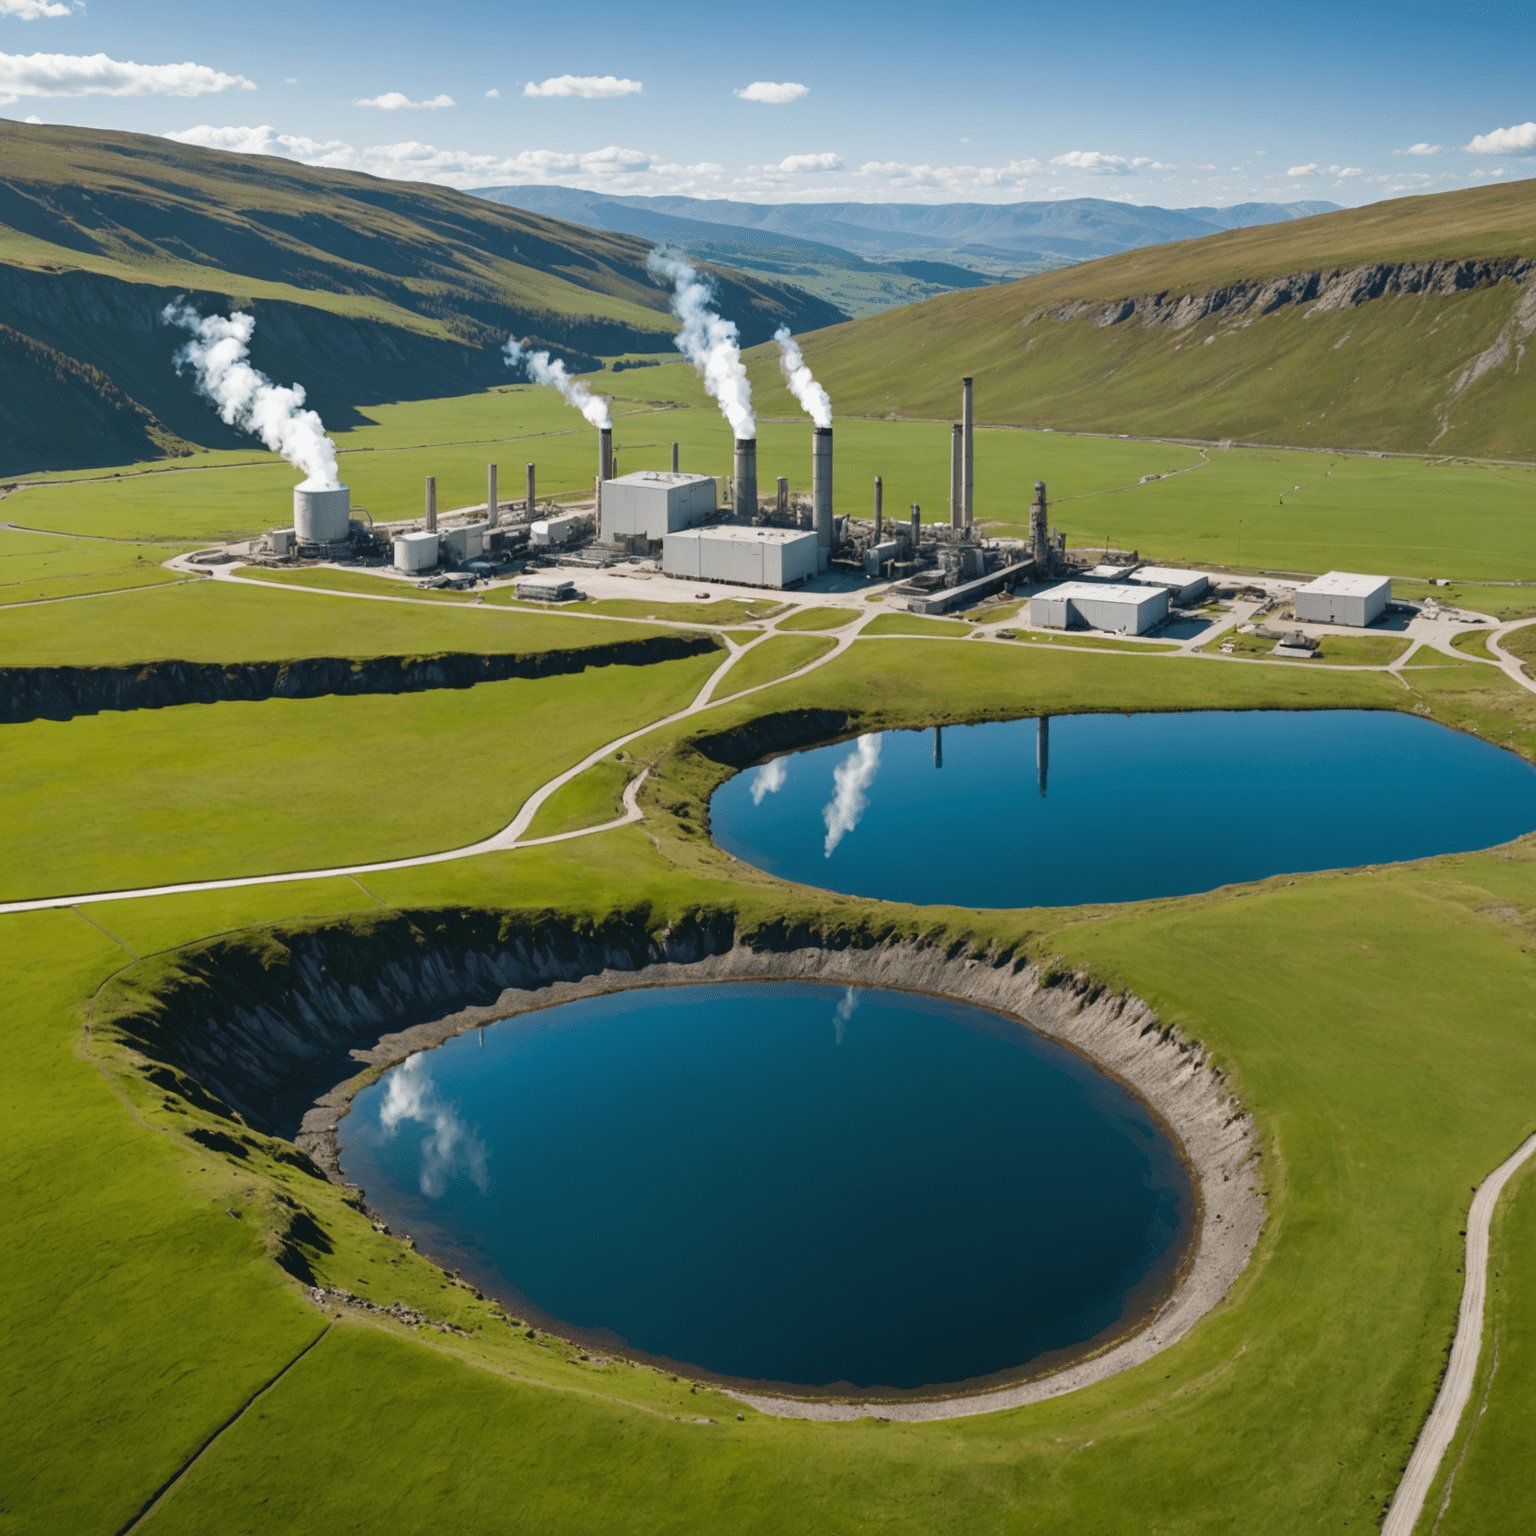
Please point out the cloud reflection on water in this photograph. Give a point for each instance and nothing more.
(769, 779)
(410, 1094)
(851, 780)
(844, 1012)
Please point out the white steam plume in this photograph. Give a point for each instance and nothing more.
(851, 780)
(412, 1095)
(769, 779)
(543, 370)
(814, 400)
(709, 342)
(218, 354)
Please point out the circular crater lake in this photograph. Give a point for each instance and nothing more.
(1090, 808)
(784, 1183)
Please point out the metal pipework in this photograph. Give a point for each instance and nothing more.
(956, 476)
(879, 506)
(431, 503)
(492, 505)
(968, 424)
(530, 492)
(821, 486)
(746, 479)
(605, 453)
(674, 458)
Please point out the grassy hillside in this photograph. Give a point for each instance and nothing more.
(1417, 358)
(366, 290)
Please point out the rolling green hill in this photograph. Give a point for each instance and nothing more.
(1400, 326)
(366, 290)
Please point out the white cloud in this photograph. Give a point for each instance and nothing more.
(796, 163)
(291, 80)
(411, 161)
(35, 120)
(592, 87)
(30, 10)
(1344, 172)
(395, 101)
(1303, 170)
(94, 74)
(774, 93)
(1094, 163)
(1419, 149)
(493, 94)
(951, 178)
(1503, 141)
(1205, 167)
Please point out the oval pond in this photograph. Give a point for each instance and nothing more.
(1087, 808)
(784, 1182)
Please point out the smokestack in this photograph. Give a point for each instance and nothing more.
(781, 501)
(530, 492)
(431, 503)
(1039, 534)
(956, 477)
(879, 507)
(746, 479)
(674, 458)
(821, 491)
(492, 505)
(967, 421)
(605, 453)
(917, 527)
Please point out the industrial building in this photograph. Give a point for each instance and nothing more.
(653, 503)
(751, 557)
(1128, 610)
(1183, 586)
(1343, 598)
(416, 551)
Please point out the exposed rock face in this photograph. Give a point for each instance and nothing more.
(278, 1026)
(1338, 288)
(56, 693)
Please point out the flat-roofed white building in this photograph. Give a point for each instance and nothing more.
(1341, 597)
(654, 503)
(1183, 586)
(749, 557)
(1128, 610)
(416, 551)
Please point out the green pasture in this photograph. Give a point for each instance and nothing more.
(1095, 642)
(816, 618)
(589, 800)
(914, 624)
(1335, 650)
(714, 610)
(1474, 642)
(35, 567)
(775, 657)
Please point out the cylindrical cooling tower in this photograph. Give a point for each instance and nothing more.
(492, 505)
(746, 478)
(821, 487)
(321, 514)
(431, 510)
(605, 453)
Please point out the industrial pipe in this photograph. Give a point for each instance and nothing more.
(821, 489)
(492, 505)
(431, 503)
(967, 418)
(746, 479)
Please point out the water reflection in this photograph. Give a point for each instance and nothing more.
(851, 780)
(411, 1096)
(769, 779)
(844, 1013)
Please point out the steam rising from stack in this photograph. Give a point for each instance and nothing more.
(710, 343)
(814, 400)
(553, 372)
(218, 355)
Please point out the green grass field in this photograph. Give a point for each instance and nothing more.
(816, 618)
(34, 567)
(775, 657)
(915, 624)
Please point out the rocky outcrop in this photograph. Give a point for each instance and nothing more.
(1337, 288)
(57, 693)
(280, 1024)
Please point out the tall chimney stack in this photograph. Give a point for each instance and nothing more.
(492, 505)
(530, 492)
(605, 453)
(781, 500)
(821, 492)
(431, 503)
(1039, 533)
(967, 420)
(674, 458)
(956, 476)
(917, 527)
(879, 507)
(745, 503)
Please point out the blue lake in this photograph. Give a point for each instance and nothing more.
(1090, 808)
(783, 1182)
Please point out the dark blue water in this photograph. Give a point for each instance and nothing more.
(1133, 806)
(785, 1182)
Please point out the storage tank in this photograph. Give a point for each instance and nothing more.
(322, 514)
(416, 551)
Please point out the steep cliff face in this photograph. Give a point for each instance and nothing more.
(56, 693)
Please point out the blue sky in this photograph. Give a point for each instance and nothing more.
(1179, 104)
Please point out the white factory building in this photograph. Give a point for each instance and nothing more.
(1183, 586)
(1343, 598)
(750, 557)
(1126, 609)
(653, 503)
